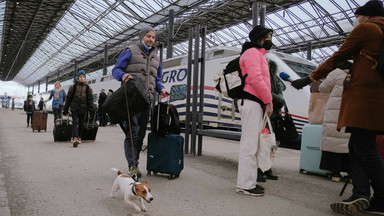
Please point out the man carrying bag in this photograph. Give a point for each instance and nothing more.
(140, 60)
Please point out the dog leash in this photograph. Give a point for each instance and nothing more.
(129, 122)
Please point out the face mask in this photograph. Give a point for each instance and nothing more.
(145, 45)
(268, 44)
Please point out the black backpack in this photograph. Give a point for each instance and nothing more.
(168, 120)
(233, 79)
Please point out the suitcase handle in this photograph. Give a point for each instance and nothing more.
(94, 119)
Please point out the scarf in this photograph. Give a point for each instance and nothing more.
(57, 92)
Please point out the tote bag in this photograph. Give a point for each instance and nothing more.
(267, 146)
(317, 104)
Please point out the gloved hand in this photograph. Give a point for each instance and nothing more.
(65, 112)
(300, 83)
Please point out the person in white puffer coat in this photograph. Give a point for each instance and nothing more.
(334, 143)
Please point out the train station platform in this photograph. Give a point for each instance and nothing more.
(41, 177)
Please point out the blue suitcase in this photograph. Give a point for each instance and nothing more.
(310, 150)
(165, 154)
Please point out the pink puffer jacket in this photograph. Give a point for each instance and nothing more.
(257, 82)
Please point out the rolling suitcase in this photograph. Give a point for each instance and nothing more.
(165, 154)
(90, 129)
(62, 131)
(310, 155)
(39, 121)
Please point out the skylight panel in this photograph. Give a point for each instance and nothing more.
(2, 16)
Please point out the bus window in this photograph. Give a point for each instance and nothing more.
(302, 70)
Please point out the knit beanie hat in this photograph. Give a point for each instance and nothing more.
(371, 8)
(144, 31)
(258, 32)
(81, 72)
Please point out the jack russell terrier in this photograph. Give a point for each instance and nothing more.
(132, 190)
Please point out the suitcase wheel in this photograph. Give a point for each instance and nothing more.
(171, 176)
(148, 172)
(301, 171)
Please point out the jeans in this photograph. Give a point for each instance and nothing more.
(77, 124)
(139, 126)
(367, 166)
(57, 112)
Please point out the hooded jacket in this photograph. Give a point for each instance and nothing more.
(80, 101)
(333, 140)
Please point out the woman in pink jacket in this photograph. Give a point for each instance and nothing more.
(257, 98)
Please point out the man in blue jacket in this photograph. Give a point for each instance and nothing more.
(140, 60)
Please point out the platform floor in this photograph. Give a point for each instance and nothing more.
(45, 178)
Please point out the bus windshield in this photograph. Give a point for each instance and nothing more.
(302, 70)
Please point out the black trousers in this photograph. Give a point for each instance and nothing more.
(367, 166)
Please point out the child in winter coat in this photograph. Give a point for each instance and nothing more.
(80, 100)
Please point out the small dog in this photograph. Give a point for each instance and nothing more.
(132, 190)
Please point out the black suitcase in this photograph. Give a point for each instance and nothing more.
(90, 129)
(62, 130)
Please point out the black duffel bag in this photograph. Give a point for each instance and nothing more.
(138, 100)
(285, 127)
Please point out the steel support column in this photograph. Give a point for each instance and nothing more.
(263, 13)
(195, 89)
(309, 50)
(170, 34)
(75, 72)
(202, 81)
(188, 97)
(255, 13)
(105, 60)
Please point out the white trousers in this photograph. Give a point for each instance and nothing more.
(251, 119)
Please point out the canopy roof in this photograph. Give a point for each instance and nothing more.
(44, 38)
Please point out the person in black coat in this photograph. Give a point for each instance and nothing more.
(101, 111)
(29, 107)
(41, 104)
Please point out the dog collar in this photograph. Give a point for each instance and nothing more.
(133, 190)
